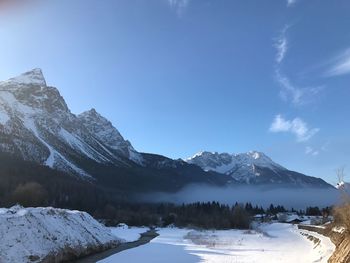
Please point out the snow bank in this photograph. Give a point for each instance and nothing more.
(127, 233)
(50, 235)
(323, 246)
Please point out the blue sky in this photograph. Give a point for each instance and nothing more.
(179, 76)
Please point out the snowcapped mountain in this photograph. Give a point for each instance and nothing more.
(37, 125)
(252, 168)
(243, 163)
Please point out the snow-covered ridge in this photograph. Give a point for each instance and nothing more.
(242, 167)
(253, 168)
(225, 162)
(37, 234)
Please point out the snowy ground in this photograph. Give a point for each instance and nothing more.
(128, 234)
(273, 243)
(32, 234)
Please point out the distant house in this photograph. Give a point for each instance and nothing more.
(260, 217)
(290, 218)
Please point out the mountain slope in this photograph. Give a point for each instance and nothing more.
(36, 124)
(253, 168)
(104, 131)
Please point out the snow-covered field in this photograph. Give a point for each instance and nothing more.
(34, 234)
(271, 243)
(128, 234)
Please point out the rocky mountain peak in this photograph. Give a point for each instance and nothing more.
(30, 89)
(105, 132)
(32, 77)
(99, 125)
(37, 125)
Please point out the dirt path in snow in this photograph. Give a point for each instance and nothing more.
(144, 239)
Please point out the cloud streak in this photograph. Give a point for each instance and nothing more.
(340, 65)
(281, 46)
(179, 6)
(297, 127)
(297, 95)
(289, 91)
(310, 151)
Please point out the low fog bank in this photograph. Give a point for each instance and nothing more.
(298, 198)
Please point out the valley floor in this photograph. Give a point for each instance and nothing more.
(271, 243)
(50, 234)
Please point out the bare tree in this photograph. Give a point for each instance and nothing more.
(340, 172)
(342, 212)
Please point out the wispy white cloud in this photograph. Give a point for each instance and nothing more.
(289, 91)
(179, 6)
(297, 126)
(325, 146)
(297, 95)
(281, 45)
(311, 151)
(340, 65)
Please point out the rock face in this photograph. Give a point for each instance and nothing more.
(253, 168)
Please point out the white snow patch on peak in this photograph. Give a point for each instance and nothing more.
(225, 163)
(255, 155)
(34, 77)
(202, 153)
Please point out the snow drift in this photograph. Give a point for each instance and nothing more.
(50, 235)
